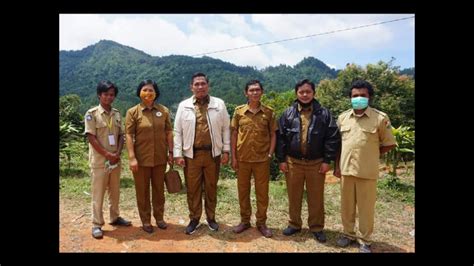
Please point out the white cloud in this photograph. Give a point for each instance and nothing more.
(288, 26)
(182, 34)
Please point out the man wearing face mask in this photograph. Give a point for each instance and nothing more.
(366, 134)
(307, 141)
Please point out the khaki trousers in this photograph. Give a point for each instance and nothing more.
(142, 179)
(261, 173)
(102, 181)
(299, 173)
(360, 193)
(202, 169)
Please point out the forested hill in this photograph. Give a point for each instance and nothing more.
(80, 71)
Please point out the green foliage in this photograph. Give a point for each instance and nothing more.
(279, 101)
(394, 93)
(80, 71)
(73, 159)
(405, 145)
(394, 189)
(71, 127)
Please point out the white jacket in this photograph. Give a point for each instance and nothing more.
(185, 126)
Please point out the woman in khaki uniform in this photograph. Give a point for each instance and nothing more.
(150, 144)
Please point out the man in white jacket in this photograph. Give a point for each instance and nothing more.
(201, 144)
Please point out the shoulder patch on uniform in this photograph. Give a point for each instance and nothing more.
(267, 107)
(387, 123)
(88, 117)
(380, 112)
(343, 114)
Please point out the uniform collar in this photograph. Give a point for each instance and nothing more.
(143, 106)
(247, 108)
(367, 112)
(102, 110)
(300, 108)
(203, 102)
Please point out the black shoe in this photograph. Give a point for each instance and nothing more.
(121, 222)
(97, 233)
(148, 228)
(365, 248)
(212, 225)
(290, 231)
(162, 225)
(192, 226)
(344, 241)
(320, 236)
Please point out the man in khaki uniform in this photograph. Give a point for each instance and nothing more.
(307, 141)
(202, 137)
(366, 134)
(253, 142)
(103, 127)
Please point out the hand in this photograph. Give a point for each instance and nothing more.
(283, 167)
(170, 159)
(111, 156)
(324, 168)
(180, 161)
(225, 158)
(235, 164)
(337, 172)
(115, 161)
(133, 163)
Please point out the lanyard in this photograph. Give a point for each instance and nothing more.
(110, 123)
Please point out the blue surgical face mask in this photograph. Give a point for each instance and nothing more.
(359, 103)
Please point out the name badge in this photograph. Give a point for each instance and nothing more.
(111, 140)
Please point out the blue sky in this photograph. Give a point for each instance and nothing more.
(193, 34)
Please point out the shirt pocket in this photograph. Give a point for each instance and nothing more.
(188, 115)
(369, 134)
(345, 132)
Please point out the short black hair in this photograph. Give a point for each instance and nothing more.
(105, 85)
(252, 82)
(148, 82)
(199, 74)
(305, 81)
(360, 84)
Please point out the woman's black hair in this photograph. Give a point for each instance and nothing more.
(148, 82)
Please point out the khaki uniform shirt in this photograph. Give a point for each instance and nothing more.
(202, 137)
(254, 132)
(149, 127)
(305, 115)
(100, 123)
(361, 139)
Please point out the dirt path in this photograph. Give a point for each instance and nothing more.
(75, 236)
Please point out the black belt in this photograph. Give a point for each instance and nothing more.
(203, 148)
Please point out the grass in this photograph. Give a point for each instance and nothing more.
(393, 222)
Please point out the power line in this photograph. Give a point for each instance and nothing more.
(307, 36)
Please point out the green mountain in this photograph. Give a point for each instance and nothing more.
(80, 71)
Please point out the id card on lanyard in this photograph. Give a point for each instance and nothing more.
(111, 134)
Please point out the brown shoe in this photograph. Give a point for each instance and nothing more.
(266, 232)
(148, 228)
(241, 227)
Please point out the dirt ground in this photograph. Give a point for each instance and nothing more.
(75, 236)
